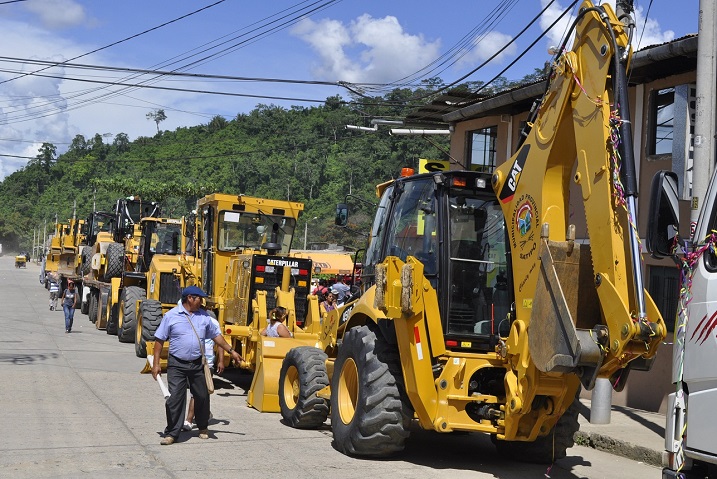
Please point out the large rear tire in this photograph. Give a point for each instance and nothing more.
(112, 314)
(84, 305)
(93, 305)
(545, 449)
(115, 261)
(150, 312)
(303, 374)
(370, 415)
(102, 310)
(128, 312)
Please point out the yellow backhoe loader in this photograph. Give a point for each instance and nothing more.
(480, 312)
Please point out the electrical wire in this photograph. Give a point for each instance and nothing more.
(323, 142)
(457, 51)
(510, 65)
(121, 41)
(301, 13)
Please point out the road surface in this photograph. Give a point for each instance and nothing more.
(74, 405)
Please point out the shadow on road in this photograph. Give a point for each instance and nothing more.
(230, 380)
(475, 452)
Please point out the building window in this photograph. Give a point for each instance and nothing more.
(665, 291)
(481, 149)
(662, 121)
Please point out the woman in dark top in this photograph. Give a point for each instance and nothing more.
(69, 303)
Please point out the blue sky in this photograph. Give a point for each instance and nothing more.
(372, 41)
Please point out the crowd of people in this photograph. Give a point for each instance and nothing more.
(333, 294)
(193, 333)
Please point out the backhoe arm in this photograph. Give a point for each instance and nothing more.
(579, 308)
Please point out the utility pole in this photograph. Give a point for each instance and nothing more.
(704, 141)
(306, 228)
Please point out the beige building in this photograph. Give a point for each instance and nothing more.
(485, 132)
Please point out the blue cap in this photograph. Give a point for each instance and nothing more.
(194, 291)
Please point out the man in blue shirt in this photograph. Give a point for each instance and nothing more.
(186, 326)
(342, 289)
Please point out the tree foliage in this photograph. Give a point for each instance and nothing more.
(157, 116)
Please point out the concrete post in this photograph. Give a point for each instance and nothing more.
(705, 110)
(601, 402)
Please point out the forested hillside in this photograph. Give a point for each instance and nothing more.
(302, 154)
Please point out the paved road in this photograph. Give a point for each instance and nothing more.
(73, 405)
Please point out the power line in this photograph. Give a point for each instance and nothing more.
(120, 41)
(301, 13)
(322, 142)
(510, 65)
(84, 66)
(187, 90)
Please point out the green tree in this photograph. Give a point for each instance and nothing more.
(157, 116)
(47, 155)
(121, 142)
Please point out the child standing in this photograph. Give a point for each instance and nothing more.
(54, 291)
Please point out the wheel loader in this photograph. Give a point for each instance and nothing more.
(480, 311)
(63, 260)
(114, 258)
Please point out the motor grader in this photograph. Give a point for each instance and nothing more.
(167, 264)
(480, 311)
(246, 269)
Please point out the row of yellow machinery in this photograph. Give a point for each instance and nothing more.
(479, 312)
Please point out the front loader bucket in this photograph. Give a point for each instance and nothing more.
(264, 391)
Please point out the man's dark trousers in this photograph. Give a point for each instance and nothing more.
(180, 375)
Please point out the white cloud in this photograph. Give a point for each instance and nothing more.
(367, 50)
(487, 46)
(57, 13)
(555, 35)
(36, 109)
(649, 33)
(653, 34)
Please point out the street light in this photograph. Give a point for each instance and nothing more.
(306, 228)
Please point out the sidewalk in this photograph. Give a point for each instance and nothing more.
(632, 433)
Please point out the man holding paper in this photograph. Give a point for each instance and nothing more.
(186, 326)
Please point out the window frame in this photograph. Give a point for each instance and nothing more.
(490, 132)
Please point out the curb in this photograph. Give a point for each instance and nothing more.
(619, 448)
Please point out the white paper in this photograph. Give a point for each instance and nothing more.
(162, 386)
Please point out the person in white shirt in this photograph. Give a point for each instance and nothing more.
(276, 327)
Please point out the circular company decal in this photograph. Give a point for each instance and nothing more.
(524, 218)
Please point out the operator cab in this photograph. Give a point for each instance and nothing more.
(158, 237)
(452, 223)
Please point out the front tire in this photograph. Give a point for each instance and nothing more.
(303, 374)
(370, 415)
(549, 448)
(150, 313)
(128, 312)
